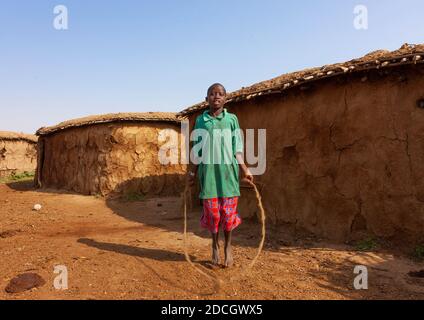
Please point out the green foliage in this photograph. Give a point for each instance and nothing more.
(367, 244)
(418, 252)
(25, 176)
(134, 196)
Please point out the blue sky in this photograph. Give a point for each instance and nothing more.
(135, 55)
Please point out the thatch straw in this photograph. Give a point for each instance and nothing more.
(108, 118)
(407, 54)
(16, 136)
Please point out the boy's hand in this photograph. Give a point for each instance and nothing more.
(247, 175)
(190, 178)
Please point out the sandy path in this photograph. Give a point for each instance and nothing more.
(134, 250)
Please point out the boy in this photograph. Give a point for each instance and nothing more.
(219, 180)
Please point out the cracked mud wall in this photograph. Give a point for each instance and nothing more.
(16, 157)
(345, 157)
(109, 159)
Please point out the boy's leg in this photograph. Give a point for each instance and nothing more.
(215, 248)
(210, 220)
(231, 220)
(228, 250)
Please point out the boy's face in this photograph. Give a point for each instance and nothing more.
(216, 98)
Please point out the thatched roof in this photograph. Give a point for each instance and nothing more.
(111, 117)
(16, 136)
(407, 54)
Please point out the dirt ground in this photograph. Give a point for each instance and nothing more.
(134, 250)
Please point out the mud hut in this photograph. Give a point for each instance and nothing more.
(345, 151)
(107, 155)
(18, 153)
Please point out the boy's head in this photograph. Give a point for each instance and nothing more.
(216, 96)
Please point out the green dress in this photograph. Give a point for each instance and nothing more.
(217, 140)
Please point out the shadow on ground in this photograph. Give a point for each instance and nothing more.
(27, 185)
(165, 211)
(334, 265)
(387, 276)
(149, 253)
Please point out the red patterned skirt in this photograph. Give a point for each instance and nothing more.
(220, 212)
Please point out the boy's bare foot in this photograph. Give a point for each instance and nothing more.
(215, 249)
(215, 255)
(228, 257)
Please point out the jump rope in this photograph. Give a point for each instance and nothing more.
(216, 280)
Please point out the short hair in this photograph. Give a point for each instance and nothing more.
(215, 85)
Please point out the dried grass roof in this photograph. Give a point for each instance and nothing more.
(111, 117)
(407, 54)
(16, 136)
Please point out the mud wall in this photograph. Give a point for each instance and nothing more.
(345, 156)
(108, 159)
(17, 156)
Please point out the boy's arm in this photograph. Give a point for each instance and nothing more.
(192, 168)
(192, 173)
(239, 148)
(247, 175)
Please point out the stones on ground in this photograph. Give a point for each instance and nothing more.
(24, 282)
(416, 274)
(9, 233)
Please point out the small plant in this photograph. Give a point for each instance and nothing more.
(25, 176)
(22, 176)
(418, 253)
(367, 244)
(134, 196)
